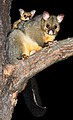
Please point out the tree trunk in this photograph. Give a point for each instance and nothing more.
(4, 29)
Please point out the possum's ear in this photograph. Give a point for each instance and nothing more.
(21, 11)
(46, 15)
(33, 12)
(60, 18)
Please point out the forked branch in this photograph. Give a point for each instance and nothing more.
(16, 76)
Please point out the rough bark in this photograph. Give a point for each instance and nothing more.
(4, 28)
(14, 77)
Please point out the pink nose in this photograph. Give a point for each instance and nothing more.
(51, 32)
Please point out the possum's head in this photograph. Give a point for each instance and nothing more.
(51, 23)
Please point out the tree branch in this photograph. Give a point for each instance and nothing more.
(26, 69)
(41, 60)
(16, 76)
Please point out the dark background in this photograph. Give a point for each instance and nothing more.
(56, 82)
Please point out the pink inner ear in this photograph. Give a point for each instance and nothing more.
(21, 11)
(60, 17)
(45, 15)
(33, 12)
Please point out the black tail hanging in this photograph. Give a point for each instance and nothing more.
(32, 99)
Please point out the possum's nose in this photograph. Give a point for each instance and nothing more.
(50, 32)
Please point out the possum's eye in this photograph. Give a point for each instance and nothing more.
(55, 26)
(48, 26)
(25, 16)
(29, 16)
